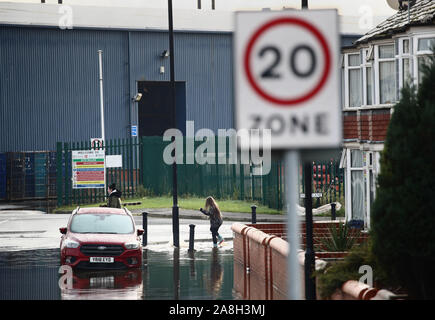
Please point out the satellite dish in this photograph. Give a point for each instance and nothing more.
(394, 4)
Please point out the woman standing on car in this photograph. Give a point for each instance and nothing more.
(212, 210)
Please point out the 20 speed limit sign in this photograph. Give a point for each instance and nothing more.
(287, 76)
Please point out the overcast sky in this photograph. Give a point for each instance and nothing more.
(345, 7)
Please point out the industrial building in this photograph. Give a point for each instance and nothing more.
(49, 86)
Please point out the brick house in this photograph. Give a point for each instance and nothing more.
(374, 69)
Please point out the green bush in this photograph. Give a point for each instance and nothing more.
(332, 277)
(403, 217)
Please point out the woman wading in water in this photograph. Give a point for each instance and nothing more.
(212, 210)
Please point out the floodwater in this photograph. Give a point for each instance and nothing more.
(167, 273)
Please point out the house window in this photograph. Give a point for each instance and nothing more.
(354, 76)
(426, 44)
(405, 49)
(405, 61)
(387, 72)
(406, 73)
(368, 76)
(357, 184)
(424, 52)
(369, 85)
(361, 171)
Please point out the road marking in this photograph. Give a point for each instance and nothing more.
(21, 232)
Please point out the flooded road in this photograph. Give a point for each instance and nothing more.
(167, 273)
(30, 262)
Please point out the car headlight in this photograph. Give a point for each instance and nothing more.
(131, 245)
(71, 244)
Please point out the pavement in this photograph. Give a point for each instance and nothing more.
(167, 213)
(196, 214)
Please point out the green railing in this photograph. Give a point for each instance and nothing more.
(144, 172)
(125, 177)
(328, 180)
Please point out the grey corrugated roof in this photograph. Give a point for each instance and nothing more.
(422, 13)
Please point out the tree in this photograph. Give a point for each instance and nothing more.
(403, 213)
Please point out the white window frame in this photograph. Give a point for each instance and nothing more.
(401, 57)
(418, 54)
(367, 64)
(346, 78)
(377, 62)
(348, 175)
(366, 168)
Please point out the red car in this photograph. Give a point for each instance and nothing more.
(101, 238)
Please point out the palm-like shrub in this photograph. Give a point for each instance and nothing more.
(342, 238)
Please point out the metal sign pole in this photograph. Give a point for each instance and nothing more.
(292, 158)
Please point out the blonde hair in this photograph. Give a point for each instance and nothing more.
(210, 203)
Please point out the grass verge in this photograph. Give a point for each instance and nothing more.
(192, 203)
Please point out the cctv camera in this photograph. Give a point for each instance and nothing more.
(137, 97)
(165, 54)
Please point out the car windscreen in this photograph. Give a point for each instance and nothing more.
(102, 223)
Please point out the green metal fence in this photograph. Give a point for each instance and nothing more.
(327, 180)
(125, 177)
(144, 172)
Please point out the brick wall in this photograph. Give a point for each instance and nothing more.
(380, 121)
(366, 125)
(260, 258)
(260, 262)
(350, 126)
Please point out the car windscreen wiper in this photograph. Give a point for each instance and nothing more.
(98, 232)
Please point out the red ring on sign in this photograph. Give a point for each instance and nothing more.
(326, 53)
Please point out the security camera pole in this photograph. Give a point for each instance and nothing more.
(175, 219)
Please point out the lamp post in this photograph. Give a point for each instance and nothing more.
(175, 213)
(103, 137)
(310, 282)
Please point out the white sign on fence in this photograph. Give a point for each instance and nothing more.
(114, 161)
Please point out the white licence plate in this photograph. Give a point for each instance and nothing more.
(101, 259)
(102, 282)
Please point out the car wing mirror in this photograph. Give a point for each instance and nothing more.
(140, 232)
(62, 230)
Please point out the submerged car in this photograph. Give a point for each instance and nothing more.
(101, 238)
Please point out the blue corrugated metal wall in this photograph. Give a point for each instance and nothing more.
(49, 88)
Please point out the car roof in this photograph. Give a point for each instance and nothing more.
(101, 210)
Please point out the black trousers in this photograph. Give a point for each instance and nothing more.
(214, 233)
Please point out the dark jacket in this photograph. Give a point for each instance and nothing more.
(114, 200)
(215, 219)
